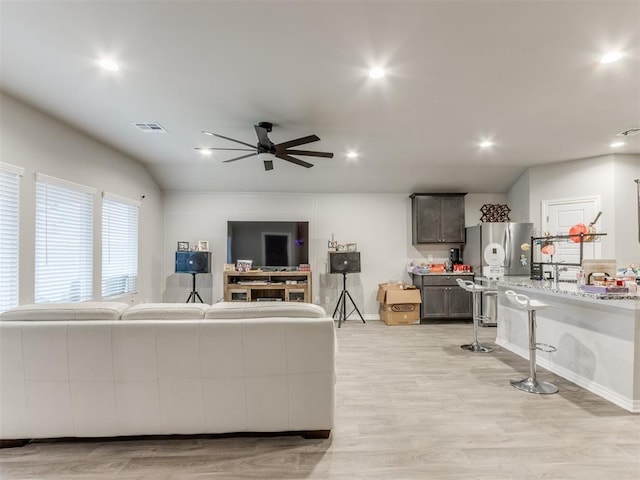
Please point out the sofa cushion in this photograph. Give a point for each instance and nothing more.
(66, 311)
(231, 310)
(166, 311)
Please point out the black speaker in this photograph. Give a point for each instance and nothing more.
(344, 262)
(193, 262)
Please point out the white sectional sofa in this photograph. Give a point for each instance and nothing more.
(105, 369)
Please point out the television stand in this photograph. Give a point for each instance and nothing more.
(289, 286)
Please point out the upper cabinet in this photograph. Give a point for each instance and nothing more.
(437, 218)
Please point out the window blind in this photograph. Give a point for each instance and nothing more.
(9, 235)
(119, 245)
(64, 241)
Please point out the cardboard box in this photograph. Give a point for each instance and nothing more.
(389, 317)
(399, 304)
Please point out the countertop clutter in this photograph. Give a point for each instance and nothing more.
(439, 269)
(441, 274)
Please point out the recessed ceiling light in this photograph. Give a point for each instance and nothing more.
(486, 144)
(617, 144)
(204, 151)
(611, 57)
(352, 154)
(108, 64)
(376, 73)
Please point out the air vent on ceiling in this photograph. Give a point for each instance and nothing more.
(150, 127)
(629, 133)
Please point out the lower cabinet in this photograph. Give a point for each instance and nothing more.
(442, 297)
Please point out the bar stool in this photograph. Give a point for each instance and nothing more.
(531, 384)
(476, 290)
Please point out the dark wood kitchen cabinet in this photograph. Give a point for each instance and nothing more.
(437, 218)
(442, 297)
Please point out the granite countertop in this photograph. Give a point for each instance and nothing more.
(566, 288)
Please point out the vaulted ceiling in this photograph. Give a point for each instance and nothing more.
(524, 75)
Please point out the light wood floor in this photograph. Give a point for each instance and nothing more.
(410, 405)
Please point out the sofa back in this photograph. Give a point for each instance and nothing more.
(95, 378)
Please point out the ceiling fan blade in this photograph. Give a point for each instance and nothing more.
(268, 165)
(263, 139)
(230, 139)
(291, 159)
(298, 141)
(240, 158)
(239, 149)
(310, 153)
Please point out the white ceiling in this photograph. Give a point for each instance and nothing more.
(523, 73)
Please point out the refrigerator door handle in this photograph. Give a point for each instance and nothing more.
(507, 246)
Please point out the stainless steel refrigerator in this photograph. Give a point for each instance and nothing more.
(511, 236)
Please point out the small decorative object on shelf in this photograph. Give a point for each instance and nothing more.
(229, 267)
(203, 245)
(334, 246)
(183, 247)
(244, 265)
(494, 212)
(304, 267)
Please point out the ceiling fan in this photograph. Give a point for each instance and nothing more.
(280, 150)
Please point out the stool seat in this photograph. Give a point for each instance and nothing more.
(525, 302)
(470, 286)
(477, 291)
(531, 383)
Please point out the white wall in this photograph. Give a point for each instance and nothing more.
(608, 177)
(380, 224)
(474, 201)
(39, 143)
(518, 199)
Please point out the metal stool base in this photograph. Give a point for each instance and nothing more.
(531, 385)
(476, 348)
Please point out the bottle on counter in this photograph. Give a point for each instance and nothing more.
(629, 278)
(580, 277)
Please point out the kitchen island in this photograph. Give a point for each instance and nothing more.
(597, 336)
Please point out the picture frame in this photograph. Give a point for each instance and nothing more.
(244, 265)
(229, 267)
(203, 245)
(183, 247)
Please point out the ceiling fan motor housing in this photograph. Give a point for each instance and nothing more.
(268, 126)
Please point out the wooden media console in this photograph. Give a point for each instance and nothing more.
(289, 286)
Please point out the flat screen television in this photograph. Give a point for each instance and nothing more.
(269, 245)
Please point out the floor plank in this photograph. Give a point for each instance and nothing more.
(410, 405)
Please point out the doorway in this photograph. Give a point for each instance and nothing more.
(558, 216)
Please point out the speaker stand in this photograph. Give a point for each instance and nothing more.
(342, 303)
(193, 295)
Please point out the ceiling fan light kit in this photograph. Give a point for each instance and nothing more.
(265, 149)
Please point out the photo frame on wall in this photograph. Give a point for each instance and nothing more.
(183, 247)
